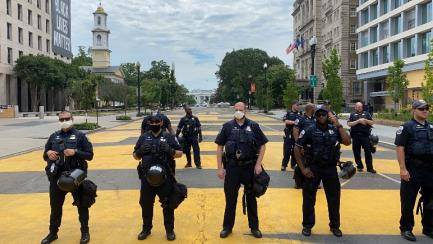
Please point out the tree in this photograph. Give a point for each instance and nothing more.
(396, 82)
(236, 68)
(129, 71)
(291, 93)
(81, 59)
(427, 85)
(84, 92)
(333, 90)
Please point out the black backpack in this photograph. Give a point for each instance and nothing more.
(87, 193)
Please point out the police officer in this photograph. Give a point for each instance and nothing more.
(321, 146)
(166, 123)
(289, 121)
(301, 124)
(156, 148)
(244, 144)
(360, 123)
(191, 131)
(414, 141)
(66, 150)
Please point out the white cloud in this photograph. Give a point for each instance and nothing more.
(194, 34)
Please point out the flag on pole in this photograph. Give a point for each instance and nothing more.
(290, 48)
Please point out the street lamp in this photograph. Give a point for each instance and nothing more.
(313, 43)
(250, 82)
(138, 88)
(97, 114)
(265, 67)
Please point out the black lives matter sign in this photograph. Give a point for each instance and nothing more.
(61, 26)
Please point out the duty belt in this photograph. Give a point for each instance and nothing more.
(240, 162)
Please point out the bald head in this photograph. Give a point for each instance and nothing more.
(309, 109)
(240, 106)
(358, 107)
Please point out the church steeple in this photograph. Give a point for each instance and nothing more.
(100, 49)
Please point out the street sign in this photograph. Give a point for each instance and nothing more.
(313, 80)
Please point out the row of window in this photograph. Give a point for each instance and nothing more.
(30, 38)
(405, 48)
(38, 5)
(30, 18)
(396, 25)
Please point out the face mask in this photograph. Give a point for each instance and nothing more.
(155, 128)
(189, 113)
(239, 115)
(66, 124)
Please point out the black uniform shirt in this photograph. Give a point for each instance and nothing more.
(304, 122)
(189, 125)
(417, 139)
(166, 123)
(292, 116)
(71, 139)
(306, 135)
(156, 140)
(360, 129)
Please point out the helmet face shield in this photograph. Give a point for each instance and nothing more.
(348, 170)
(156, 175)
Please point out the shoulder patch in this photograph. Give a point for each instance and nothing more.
(400, 130)
(296, 121)
(301, 134)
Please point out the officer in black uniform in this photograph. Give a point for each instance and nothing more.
(191, 131)
(360, 123)
(320, 144)
(166, 123)
(244, 144)
(66, 150)
(414, 141)
(289, 121)
(301, 124)
(156, 147)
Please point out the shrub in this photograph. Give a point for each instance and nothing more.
(86, 126)
(123, 117)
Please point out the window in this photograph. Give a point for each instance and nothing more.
(364, 38)
(39, 22)
(98, 40)
(20, 54)
(364, 16)
(39, 43)
(8, 7)
(425, 42)
(373, 12)
(373, 34)
(352, 29)
(38, 4)
(364, 60)
(30, 39)
(47, 6)
(384, 30)
(395, 3)
(47, 26)
(410, 47)
(395, 49)
(20, 12)
(30, 17)
(20, 35)
(384, 54)
(396, 25)
(10, 56)
(410, 19)
(99, 20)
(353, 46)
(9, 31)
(352, 12)
(426, 13)
(374, 57)
(357, 88)
(385, 9)
(47, 42)
(353, 64)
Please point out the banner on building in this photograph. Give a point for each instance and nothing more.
(61, 27)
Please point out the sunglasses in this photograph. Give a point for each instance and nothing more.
(423, 109)
(64, 119)
(322, 114)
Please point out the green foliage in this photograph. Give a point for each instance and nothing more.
(123, 117)
(84, 91)
(427, 85)
(81, 59)
(235, 70)
(333, 90)
(396, 81)
(86, 126)
(129, 71)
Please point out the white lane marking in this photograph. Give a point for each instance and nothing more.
(347, 181)
(389, 178)
(269, 127)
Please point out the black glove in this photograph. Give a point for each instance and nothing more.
(144, 149)
(200, 138)
(167, 149)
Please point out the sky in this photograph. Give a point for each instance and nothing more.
(193, 34)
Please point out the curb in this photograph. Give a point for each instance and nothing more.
(86, 132)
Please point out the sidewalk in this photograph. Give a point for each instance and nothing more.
(24, 134)
(386, 133)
